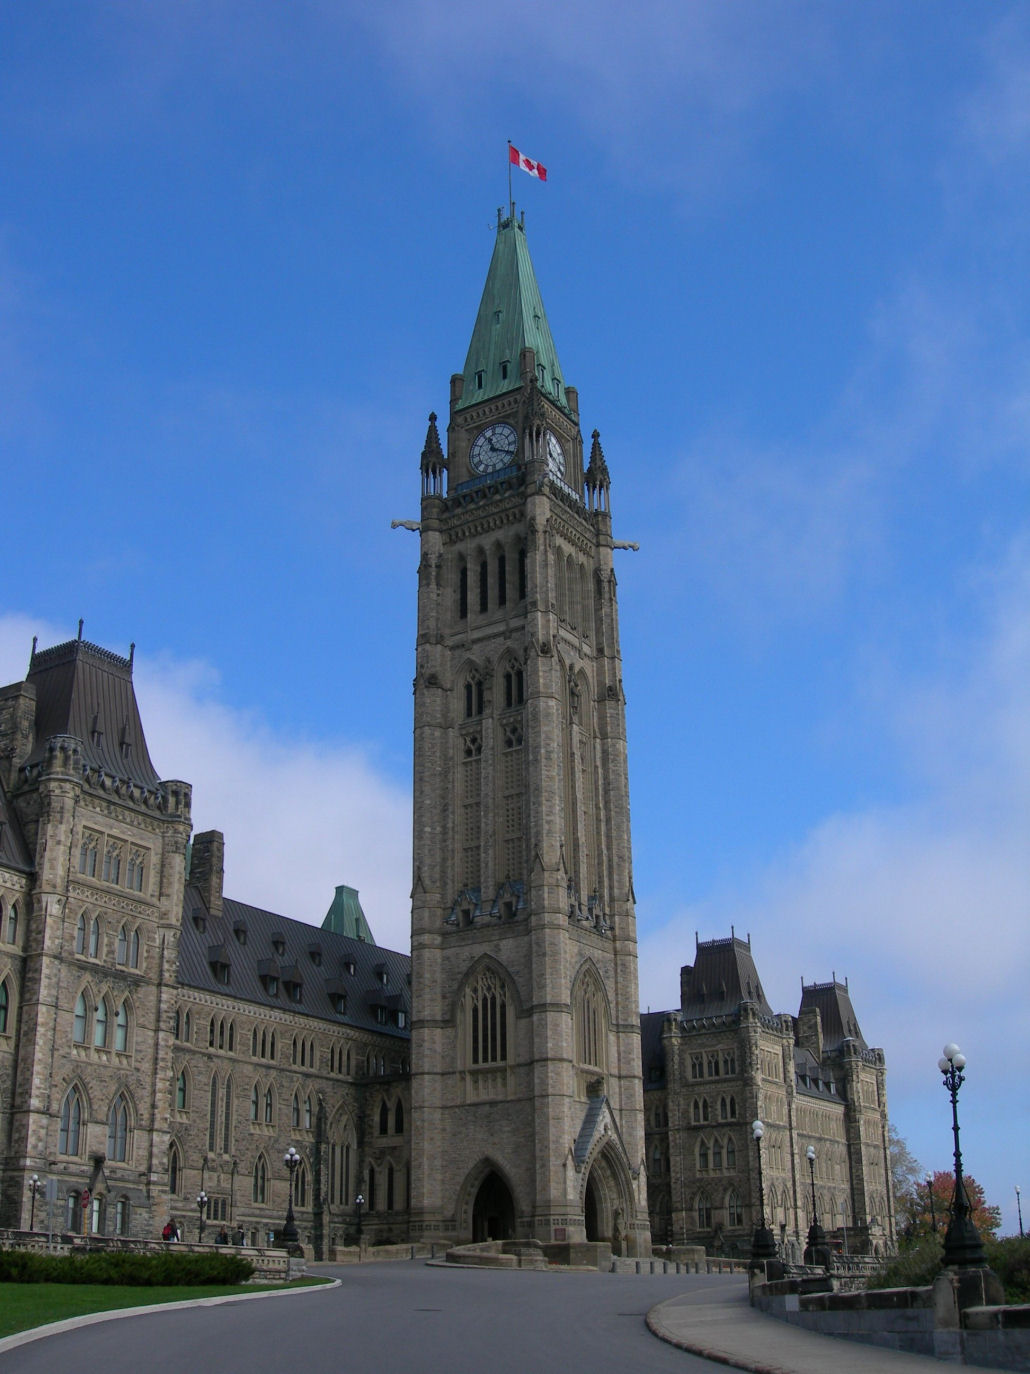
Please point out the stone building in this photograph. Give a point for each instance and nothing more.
(156, 1039)
(725, 1059)
(159, 1039)
(526, 1040)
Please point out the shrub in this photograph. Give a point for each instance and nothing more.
(130, 1270)
(914, 1266)
(917, 1265)
(1010, 1260)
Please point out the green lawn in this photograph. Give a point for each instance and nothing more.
(23, 1305)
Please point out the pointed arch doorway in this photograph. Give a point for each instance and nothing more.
(493, 1212)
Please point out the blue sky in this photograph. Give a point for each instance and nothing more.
(784, 257)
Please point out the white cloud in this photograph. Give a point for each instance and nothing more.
(299, 816)
(924, 905)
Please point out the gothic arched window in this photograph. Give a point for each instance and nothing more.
(734, 1209)
(485, 1015)
(398, 1118)
(123, 945)
(384, 1118)
(174, 1171)
(100, 1025)
(260, 1179)
(704, 1212)
(590, 1022)
(182, 1092)
(68, 1140)
(80, 1019)
(118, 1130)
(94, 938)
(295, 1115)
(80, 934)
(121, 1028)
(5, 1006)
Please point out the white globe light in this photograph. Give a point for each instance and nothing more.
(757, 1129)
(950, 1050)
(810, 1152)
(960, 1062)
(943, 1064)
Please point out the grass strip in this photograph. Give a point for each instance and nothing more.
(25, 1305)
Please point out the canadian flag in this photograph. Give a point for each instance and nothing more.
(535, 169)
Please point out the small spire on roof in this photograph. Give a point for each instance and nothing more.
(80, 628)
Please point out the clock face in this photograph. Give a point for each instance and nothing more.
(494, 449)
(555, 456)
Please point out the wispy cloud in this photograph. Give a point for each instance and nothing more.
(299, 815)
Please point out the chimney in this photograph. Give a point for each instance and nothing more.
(207, 868)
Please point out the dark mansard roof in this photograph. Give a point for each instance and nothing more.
(722, 976)
(267, 955)
(14, 852)
(839, 1022)
(86, 692)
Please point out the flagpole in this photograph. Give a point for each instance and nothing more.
(511, 203)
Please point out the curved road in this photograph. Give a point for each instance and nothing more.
(399, 1319)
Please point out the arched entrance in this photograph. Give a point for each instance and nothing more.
(493, 1212)
(607, 1200)
(590, 1210)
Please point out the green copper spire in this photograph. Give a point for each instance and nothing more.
(511, 317)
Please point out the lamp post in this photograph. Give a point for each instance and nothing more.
(1019, 1209)
(291, 1159)
(763, 1245)
(201, 1209)
(37, 1186)
(359, 1202)
(933, 1209)
(962, 1244)
(816, 1251)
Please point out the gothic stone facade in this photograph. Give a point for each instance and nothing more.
(725, 1059)
(158, 1039)
(155, 1040)
(526, 1039)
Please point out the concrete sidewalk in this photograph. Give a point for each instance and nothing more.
(726, 1328)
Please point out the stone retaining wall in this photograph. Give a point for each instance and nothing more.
(948, 1320)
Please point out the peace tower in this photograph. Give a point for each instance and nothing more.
(526, 1082)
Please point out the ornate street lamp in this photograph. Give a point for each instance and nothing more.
(763, 1244)
(962, 1244)
(201, 1209)
(1019, 1209)
(36, 1185)
(292, 1160)
(359, 1202)
(816, 1251)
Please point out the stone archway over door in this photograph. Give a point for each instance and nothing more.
(606, 1200)
(493, 1212)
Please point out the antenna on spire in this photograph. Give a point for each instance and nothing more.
(80, 628)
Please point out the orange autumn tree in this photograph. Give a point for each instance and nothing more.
(986, 1218)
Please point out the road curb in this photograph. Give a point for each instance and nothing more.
(657, 1328)
(37, 1333)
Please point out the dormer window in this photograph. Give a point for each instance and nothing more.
(278, 944)
(199, 922)
(480, 379)
(504, 370)
(349, 966)
(315, 954)
(240, 931)
(402, 1019)
(339, 1002)
(272, 985)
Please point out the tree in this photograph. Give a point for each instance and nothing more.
(906, 1173)
(941, 1188)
